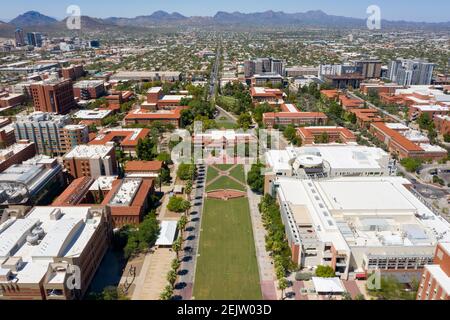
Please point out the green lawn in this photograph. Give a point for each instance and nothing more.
(223, 167)
(227, 268)
(225, 183)
(238, 173)
(212, 174)
(226, 124)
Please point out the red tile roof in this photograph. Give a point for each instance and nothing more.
(142, 166)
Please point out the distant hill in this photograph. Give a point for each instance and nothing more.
(316, 18)
(32, 18)
(158, 17)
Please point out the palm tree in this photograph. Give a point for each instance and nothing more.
(172, 277)
(177, 246)
(167, 293)
(182, 224)
(282, 285)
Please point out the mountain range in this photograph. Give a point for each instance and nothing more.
(39, 22)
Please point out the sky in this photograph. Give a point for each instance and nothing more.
(410, 10)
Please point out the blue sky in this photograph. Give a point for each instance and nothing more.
(411, 10)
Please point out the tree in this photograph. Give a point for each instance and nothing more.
(182, 223)
(411, 164)
(244, 121)
(172, 277)
(323, 138)
(447, 137)
(167, 294)
(255, 179)
(290, 133)
(178, 204)
(282, 285)
(425, 121)
(346, 296)
(146, 149)
(186, 171)
(176, 246)
(112, 294)
(325, 272)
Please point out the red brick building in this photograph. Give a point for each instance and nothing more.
(55, 96)
(309, 135)
(295, 118)
(435, 282)
(402, 146)
(442, 124)
(127, 139)
(271, 96)
(16, 154)
(73, 72)
(146, 117)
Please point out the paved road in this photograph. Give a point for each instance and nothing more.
(214, 78)
(189, 253)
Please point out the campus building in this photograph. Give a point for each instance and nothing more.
(332, 160)
(91, 161)
(408, 72)
(339, 222)
(267, 95)
(34, 181)
(435, 281)
(16, 153)
(45, 250)
(52, 134)
(126, 139)
(89, 89)
(53, 95)
(142, 116)
(402, 146)
(312, 135)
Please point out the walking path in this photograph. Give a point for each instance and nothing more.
(265, 262)
(152, 279)
(225, 173)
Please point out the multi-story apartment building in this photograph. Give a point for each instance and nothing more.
(91, 161)
(435, 282)
(408, 72)
(53, 134)
(53, 95)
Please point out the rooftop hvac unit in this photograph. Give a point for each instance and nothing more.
(39, 232)
(33, 239)
(55, 214)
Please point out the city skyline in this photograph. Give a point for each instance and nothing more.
(415, 11)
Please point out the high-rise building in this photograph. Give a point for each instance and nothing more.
(409, 72)
(20, 39)
(370, 68)
(249, 68)
(34, 39)
(277, 66)
(53, 95)
(52, 134)
(262, 66)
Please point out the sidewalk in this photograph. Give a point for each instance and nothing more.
(265, 266)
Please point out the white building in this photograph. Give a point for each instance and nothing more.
(359, 224)
(331, 160)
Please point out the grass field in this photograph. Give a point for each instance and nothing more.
(223, 167)
(238, 173)
(212, 173)
(225, 183)
(227, 268)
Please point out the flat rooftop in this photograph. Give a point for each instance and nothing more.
(90, 151)
(92, 114)
(364, 211)
(66, 231)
